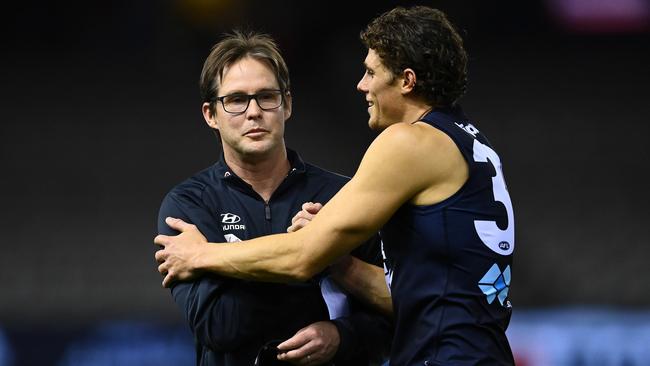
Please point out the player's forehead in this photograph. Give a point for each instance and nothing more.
(372, 60)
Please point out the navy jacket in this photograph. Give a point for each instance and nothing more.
(232, 319)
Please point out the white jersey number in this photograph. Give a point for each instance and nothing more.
(500, 241)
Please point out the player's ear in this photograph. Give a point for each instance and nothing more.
(287, 105)
(209, 116)
(409, 79)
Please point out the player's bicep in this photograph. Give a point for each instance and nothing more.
(387, 177)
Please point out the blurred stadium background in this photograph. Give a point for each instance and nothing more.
(100, 118)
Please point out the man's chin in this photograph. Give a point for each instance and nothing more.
(259, 149)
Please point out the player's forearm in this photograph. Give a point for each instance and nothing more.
(275, 258)
(296, 256)
(364, 281)
(271, 259)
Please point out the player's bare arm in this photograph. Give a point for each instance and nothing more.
(364, 281)
(406, 163)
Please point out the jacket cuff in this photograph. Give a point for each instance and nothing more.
(348, 340)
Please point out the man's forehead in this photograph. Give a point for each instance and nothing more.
(247, 75)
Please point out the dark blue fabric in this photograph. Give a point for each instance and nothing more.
(232, 319)
(437, 261)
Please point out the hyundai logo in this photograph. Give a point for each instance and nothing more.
(229, 218)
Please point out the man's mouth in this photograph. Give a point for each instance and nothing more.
(255, 132)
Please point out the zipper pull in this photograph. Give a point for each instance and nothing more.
(267, 211)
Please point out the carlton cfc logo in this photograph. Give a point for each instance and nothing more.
(229, 218)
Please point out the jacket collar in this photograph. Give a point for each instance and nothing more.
(224, 172)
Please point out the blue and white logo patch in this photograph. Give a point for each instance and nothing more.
(495, 284)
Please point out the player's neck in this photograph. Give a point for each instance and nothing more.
(414, 110)
(264, 173)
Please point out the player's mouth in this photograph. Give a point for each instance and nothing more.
(370, 105)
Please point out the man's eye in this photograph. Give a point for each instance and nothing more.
(237, 99)
(266, 96)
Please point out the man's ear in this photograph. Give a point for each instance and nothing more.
(287, 105)
(210, 118)
(409, 79)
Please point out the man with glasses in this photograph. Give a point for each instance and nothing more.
(254, 190)
(430, 182)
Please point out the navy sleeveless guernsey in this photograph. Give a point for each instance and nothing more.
(449, 265)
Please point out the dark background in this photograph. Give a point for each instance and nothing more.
(100, 117)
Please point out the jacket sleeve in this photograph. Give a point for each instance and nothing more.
(365, 333)
(210, 303)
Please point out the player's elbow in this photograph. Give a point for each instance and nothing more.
(297, 271)
(306, 267)
(296, 263)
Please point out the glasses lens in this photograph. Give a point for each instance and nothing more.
(235, 103)
(269, 100)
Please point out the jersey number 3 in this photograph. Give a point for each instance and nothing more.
(500, 241)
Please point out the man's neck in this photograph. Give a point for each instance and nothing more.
(263, 173)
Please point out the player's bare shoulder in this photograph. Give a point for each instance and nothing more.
(401, 139)
(444, 165)
(416, 143)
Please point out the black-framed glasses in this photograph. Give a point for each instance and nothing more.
(238, 102)
(268, 355)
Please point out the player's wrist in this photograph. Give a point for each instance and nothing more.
(203, 260)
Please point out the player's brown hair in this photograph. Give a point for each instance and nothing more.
(423, 39)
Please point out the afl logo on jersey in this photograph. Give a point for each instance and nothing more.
(230, 220)
(504, 245)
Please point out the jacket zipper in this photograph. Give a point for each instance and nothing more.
(267, 211)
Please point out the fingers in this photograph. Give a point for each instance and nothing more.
(160, 256)
(296, 348)
(167, 281)
(307, 355)
(300, 356)
(311, 345)
(297, 225)
(304, 216)
(178, 224)
(161, 240)
(298, 340)
(311, 207)
(163, 268)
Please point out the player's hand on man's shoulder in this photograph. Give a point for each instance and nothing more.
(304, 217)
(180, 254)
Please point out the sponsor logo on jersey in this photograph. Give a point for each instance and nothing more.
(230, 222)
(495, 285)
(229, 218)
(469, 128)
